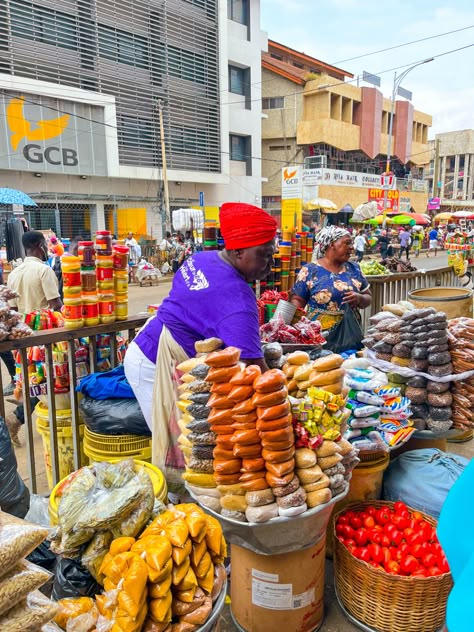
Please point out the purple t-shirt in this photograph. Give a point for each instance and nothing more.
(404, 239)
(208, 298)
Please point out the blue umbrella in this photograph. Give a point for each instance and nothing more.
(12, 196)
(346, 209)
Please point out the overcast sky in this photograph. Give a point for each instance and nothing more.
(336, 31)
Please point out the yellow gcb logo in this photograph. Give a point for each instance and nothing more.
(22, 129)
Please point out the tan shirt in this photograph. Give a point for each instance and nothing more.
(36, 284)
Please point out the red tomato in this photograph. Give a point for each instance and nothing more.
(369, 522)
(389, 527)
(408, 532)
(404, 548)
(386, 555)
(350, 542)
(376, 552)
(374, 564)
(413, 538)
(417, 551)
(378, 527)
(400, 507)
(364, 554)
(425, 548)
(409, 565)
(433, 571)
(436, 549)
(355, 522)
(343, 519)
(429, 559)
(385, 540)
(398, 521)
(372, 511)
(340, 529)
(347, 531)
(417, 516)
(443, 564)
(392, 567)
(412, 524)
(374, 536)
(351, 546)
(421, 572)
(383, 516)
(360, 537)
(396, 536)
(393, 552)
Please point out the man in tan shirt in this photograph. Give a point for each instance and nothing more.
(34, 281)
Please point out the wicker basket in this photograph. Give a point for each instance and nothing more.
(383, 602)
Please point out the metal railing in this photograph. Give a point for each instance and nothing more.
(395, 287)
(48, 339)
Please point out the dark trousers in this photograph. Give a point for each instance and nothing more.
(360, 255)
(8, 359)
(405, 249)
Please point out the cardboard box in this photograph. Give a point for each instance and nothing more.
(278, 592)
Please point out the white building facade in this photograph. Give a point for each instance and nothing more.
(82, 83)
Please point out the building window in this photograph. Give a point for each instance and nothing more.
(238, 11)
(275, 56)
(273, 103)
(185, 64)
(39, 24)
(136, 132)
(189, 140)
(239, 80)
(241, 150)
(297, 65)
(123, 47)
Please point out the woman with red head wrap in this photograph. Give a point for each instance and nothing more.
(210, 297)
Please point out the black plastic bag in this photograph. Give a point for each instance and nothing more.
(114, 416)
(43, 556)
(347, 335)
(73, 580)
(14, 496)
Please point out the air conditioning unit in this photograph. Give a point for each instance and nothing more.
(316, 162)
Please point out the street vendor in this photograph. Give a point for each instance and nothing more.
(331, 281)
(210, 297)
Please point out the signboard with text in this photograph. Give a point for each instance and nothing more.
(45, 134)
(295, 178)
(393, 199)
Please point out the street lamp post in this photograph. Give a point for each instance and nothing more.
(396, 84)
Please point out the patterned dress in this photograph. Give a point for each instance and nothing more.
(324, 291)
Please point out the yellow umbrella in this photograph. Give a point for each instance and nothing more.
(320, 204)
(442, 216)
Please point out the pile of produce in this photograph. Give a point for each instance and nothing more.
(373, 268)
(461, 346)
(167, 579)
(22, 607)
(303, 332)
(11, 324)
(394, 264)
(248, 425)
(303, 373)
(379, 414)
(395, 540)
(100, 503)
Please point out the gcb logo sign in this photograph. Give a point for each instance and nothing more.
(290, 177)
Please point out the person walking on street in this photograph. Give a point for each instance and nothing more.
(360, 243)
(418, 236)
(433, 242)
(405, 242)
(179, 252)
(134, 253)
(384, 244)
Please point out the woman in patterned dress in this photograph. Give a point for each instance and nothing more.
(331, 281)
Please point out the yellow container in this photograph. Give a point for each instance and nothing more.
(65, 444)
(160, 488)
(121, 307)
(454, 301)
(365, 484)
(121, 281)
(115, 446)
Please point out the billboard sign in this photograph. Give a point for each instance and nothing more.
(45, 134)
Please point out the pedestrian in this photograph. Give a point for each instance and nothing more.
(418, 236)
(360, 243)
(134, 253)
(166, 245)
(179, 252)
(405, 243)
(433, 236)
(384, 244)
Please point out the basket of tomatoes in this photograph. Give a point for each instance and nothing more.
(389, 568)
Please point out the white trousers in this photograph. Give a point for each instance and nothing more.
(140, 373)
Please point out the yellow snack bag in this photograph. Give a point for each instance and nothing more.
(177, 532)
(160, 609)
(155, 591)
(207, 582)
(213, 534)
(188, 581)
(199, 479)
(186, 595)
(203, 566)
(179, 554)
(199, 548)
(179, 572)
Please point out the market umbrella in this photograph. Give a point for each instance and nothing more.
(440, 217)
(378, 221)
(403, 219)
(420, 218)
(365, 211)
(12, 196)
(320, 204)
(463, 214)
(347, 208)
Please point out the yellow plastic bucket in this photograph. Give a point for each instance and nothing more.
(64, 437)
(158, 480)
(115, 446)
(365, 484)
(97, 455)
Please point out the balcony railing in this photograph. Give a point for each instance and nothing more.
(48, 339)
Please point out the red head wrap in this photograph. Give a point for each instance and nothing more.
(244, 225)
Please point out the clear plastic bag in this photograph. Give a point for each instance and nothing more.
(22, 579)
(18, 538)
(29, 615)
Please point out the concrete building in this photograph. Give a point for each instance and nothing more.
(451, 173)
(81, 86)
(317, 117)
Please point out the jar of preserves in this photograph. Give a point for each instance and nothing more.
(71, 269)
(104, 274)
(88, 279)
(121, 281)
(121, 307)
(90, 312)
(107, 308)
(103, 242)
(120, 255)
(86, 253)
(106, 286)
(72, 312)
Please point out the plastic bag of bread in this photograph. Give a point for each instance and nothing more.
(319, 497)
(226, 358)
(262, 513)
(234, 503)
(260, 498)
(29, 614)
(208, 345)
(327, 448)
(328, 363)
(326, 462)
(298, 357)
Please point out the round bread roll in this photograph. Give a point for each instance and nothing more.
(291, 512)
(305, 457)
(262, 514)
(309, 474)
(259, 498)
(318, 497)
(294, 499)
(208, 345)
(320, 484)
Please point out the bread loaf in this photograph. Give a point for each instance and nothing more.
(319, 497)
(305, 457)
(328, 363)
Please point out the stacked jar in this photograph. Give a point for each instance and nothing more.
(105, 287)
(210, 236)
(90, 306)
(120, 258)
(71, 268)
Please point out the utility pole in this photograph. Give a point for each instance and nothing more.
(164, 169)
(436, 170)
